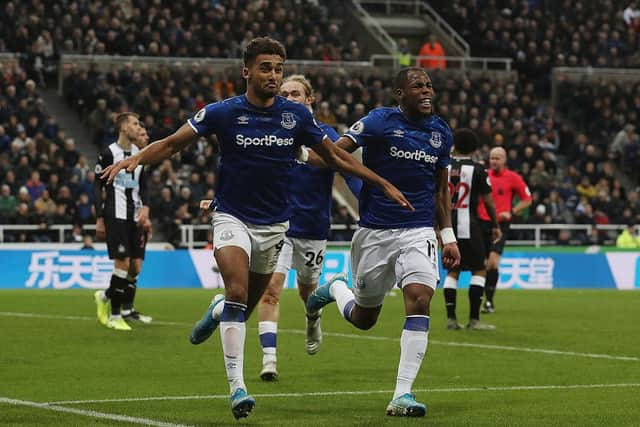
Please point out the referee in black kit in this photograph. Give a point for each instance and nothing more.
(123, 217)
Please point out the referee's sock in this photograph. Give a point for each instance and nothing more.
(117, 290)
(491, 284)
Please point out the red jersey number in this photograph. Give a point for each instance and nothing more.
(463, 196)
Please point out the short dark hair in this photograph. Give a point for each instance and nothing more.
(465, 141)
(262, 46)
(122, 118)
(400, 81)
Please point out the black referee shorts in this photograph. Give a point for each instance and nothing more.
(472, 250)
(125, 239)
(487, 228)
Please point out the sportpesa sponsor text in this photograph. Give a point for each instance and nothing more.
(267, 140)
(418, 155)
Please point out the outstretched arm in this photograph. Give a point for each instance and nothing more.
(314, 159)
(338, 159)
(450, 252)
(153, 153)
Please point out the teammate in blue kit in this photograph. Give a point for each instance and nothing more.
(305, 241)
(259, 134)
(409, 146)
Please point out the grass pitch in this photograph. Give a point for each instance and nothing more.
(558, 358)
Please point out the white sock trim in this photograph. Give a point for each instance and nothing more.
(120, 273)
(267, 326)
(478, 280)
(450, 283)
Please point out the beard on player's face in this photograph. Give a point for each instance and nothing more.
(265, 87)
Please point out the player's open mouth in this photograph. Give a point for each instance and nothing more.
(426, 102)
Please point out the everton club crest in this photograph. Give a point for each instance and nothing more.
(436, 139)
(288, 121)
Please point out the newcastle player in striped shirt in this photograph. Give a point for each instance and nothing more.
(468, 182)
(123, 218)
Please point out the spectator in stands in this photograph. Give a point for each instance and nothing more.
(432, 48)
(61, 216)
(622, 138)
(628, 238)
(87, 242)
(70, 153)
(564, 238)
(586, 189)
(163, 209)
(631, 16)
(35, 186)
(98, 120)
(5, 140)
(76, 234)
(631, 156)
(53, 185)
(39, 218)
(404, 54)
(594, 237)
(24, 197)
(22, 217)
(85, 210)
(325, 115)
(46, 204)
(7, 204)
(64, 197)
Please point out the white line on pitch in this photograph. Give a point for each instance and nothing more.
(93, 414)
(345, 393)
(368, 337)
(84, 318)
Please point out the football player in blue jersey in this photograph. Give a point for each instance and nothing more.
(305, 241)
(259, 134)
(410, 146)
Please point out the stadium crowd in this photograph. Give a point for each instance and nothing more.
(41, 31)
(36, 156)
(541, 34)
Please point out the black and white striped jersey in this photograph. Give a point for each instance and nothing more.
(126, 195)
(467, 181)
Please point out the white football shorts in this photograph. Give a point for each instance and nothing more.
(262, 243)
(303, 255)
(382, 259)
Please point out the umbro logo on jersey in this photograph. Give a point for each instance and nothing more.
(199, 115)
(288, 121)
(399, 133)
(357, 127)
(436, 139)
(243, 120)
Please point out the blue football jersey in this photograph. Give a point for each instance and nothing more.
(408, 154)
(311, 197)
(257, 154)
